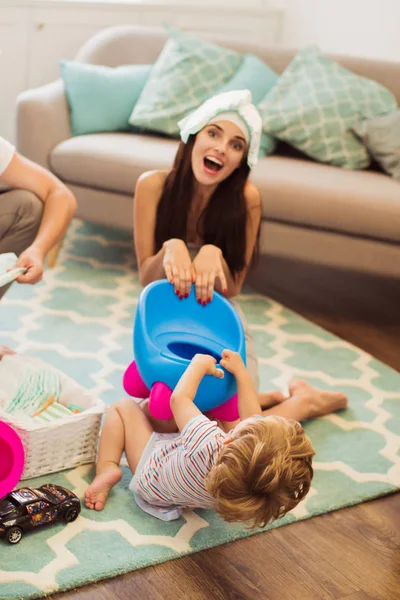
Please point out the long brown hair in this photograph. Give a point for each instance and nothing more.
(223, 221)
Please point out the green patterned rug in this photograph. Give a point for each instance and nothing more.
(79, 319)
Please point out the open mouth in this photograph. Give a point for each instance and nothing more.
(213, 164)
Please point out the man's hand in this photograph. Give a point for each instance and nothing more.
(208, 365)
(232, 362)
(32, 260)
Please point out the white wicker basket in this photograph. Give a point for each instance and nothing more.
(63, 443)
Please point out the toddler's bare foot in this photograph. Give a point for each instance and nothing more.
(268, 399)
(97, 492)
(318, 402)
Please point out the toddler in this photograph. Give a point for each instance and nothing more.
(254, 474)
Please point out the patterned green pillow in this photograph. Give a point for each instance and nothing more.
(315, 104)
(259, 78)
(188, 71)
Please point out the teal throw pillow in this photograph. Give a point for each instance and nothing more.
(101, 98)
(187, 72)
(315, 104)
(256, 76)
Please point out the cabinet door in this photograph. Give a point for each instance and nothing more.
(13, 49)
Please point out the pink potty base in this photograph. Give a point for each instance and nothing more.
(227, 411)
(134, 384)
(159, 402)
(12, 458)
(159, 405)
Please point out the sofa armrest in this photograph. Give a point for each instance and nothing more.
(123, 45)
(42, 121)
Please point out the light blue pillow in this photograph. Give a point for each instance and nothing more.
(256, 76)
(102, 98)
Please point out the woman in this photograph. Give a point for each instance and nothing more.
(199, 222)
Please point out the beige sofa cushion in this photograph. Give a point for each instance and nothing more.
(307, 193)
(111, 161)
(293, 191)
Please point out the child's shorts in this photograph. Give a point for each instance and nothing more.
(161, 512)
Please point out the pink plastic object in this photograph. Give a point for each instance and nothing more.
(12, 459)
(227, 411)
(134, 384)
(159, 402)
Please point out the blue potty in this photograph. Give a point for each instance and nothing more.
(167, 333)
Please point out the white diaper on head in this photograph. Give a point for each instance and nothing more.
(233, 117)
(235, 106)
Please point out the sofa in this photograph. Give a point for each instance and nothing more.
(311, 213)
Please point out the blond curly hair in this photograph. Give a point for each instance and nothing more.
(262, 473)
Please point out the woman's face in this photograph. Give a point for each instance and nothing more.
(219, 149)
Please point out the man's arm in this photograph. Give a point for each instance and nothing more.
(185, 391)
(59, 207)
(59, 202)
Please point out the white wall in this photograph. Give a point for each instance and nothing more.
(360, 27)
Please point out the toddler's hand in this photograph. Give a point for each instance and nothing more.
(208, 365)
(4, 350)
(232, 362)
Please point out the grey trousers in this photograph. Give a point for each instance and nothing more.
(20, 216)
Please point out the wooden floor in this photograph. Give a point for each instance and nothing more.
(351, 554)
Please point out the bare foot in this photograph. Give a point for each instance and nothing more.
(319, 402)
(97, 492)
(268, 399)
(5, 350)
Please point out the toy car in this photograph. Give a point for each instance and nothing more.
(27, 508)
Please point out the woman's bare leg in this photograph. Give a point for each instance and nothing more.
(308, 402)
(125, 428)
(269, 399)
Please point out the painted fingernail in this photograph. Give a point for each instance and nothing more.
(209, 299)
(180, 297)
(198, 300)
(204, 303)
(225, 291)
(178, 292)
(186, 295)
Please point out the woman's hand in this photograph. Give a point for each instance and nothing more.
(208, 267)
(178, 266)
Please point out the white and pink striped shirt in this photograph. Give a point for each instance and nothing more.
(175, 473)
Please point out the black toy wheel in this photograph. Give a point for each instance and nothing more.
(14, 535)
(71, 514)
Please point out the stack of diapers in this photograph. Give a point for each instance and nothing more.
(29, 389)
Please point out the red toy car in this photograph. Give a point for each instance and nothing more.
(27, 508)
